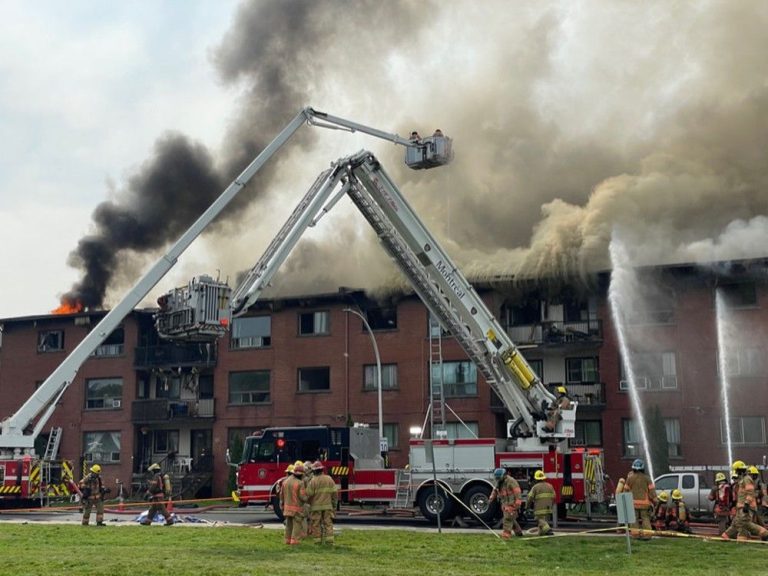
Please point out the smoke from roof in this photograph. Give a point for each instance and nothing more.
(568, 120)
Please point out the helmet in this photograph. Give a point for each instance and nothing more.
(297, 463)
(154, 468)
(676, 494)
(738, 465)
(298, 469)
(753, 470)
(663, 496)
(719, 477)
(498, 473)
(289, 469)
(638, 464)
(539, 475)
(561, 390)
(317, 465)
(96, 469)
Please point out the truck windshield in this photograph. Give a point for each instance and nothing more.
(258, 450)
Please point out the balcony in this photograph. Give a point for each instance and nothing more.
(175, 355)
(156, 410)
(557, 333)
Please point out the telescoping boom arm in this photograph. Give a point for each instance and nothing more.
(434, 276)
(15, 436)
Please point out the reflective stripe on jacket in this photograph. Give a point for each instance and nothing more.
(542, 496)
(642, 488)
(322, 493)
(293, 495)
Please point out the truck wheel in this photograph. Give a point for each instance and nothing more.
(275, 501)
(432, 504)
(478, 499)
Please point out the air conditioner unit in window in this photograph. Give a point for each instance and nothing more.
(117, 403)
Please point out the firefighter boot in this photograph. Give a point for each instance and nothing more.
(506, 535)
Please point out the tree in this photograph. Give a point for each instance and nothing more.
(657, 440)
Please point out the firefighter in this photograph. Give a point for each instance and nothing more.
(159, 485)
(292, 499)
(508, 492)
(541, 497)
(759, 494)
(743, 527)
(323, 497)
(92, 490)
(721, 496)
(562, 402)
(643, 496)
(660, 511)
(677, 513)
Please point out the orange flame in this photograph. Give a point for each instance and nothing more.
(68, 307)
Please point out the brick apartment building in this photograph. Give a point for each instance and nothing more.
(307, 360)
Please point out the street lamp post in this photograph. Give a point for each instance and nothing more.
(378, 371)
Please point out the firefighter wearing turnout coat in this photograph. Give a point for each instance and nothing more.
(541, 497)
(323, 496)
(159, 486)
(721, 496)
(743, 526)
(643, 497)
(508, 492)
(92, 491)
(293, 495)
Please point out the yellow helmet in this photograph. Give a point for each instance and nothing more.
(719, 477)
(289, 469)
(561, 390)
(539, 475)
(738, 465)
(298, 463)
(663, 496)
(676, 494)
(96, 469)
(753, 470)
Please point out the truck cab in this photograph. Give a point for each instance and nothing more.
(695, 487)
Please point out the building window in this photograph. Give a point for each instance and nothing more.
(588, 433)
(435, 329)
(653, 371)
(103, 393)
(50, 341)
(167, 386)
(114, 345)
(251, 332)
(537, 366)
(249, 387)
(384, 318)
(654, 304)
(744, 430)
(388, 377)
(391, 433)
(458, 378)
(101, 447)
(741, 295)
(456, 430)
(743, 362)
(166, 441)
(314, 379)
(632, 442)
(581, 370)
(312, 323)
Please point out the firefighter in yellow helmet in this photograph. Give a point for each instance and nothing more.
(677, 513)
(293, 496)
(660, 511)
(759, 495)
(541, 498)
(158, 489)
(721, 496)
(743, 526)
(643, 497)
(560, 403)
(92, 492)
(508, 492)
(323, 497)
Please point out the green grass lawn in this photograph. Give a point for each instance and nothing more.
(43, 549)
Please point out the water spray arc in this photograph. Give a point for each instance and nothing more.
(622, 280)
(723, 335)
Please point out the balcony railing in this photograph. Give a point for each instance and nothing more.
(168, 355)
(162, 409)
(557, 332)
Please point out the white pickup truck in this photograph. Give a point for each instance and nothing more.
(695, 487)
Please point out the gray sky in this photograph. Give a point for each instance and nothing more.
(571, 120)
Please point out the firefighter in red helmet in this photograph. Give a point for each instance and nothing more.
(323, 497)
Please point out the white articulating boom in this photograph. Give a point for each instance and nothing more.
(15, 437)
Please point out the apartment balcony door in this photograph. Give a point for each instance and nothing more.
(202, 448)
